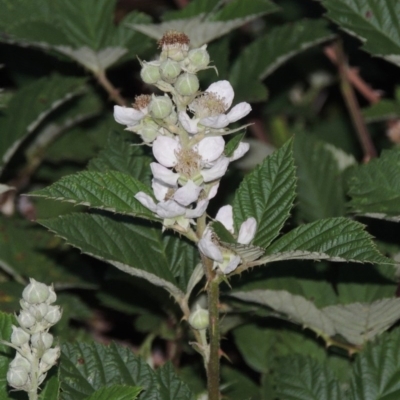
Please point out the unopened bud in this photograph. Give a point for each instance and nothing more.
(26, 319)
(187, 84)
(150, 73)
(19, 336)
(36, 292)
(17, 377)
(53, 315)
(199, 59)
(160, 107)
(42, 340)
(170, 70)
(199, 319)
(51, 356)
(39, 311)
(20, 361)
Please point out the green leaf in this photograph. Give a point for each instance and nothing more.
(30, 106)
(88, 367)
(168, 264)
(357, 323)
(115, 392)
(376, 370)
(266, 54)
(374, 22)
(375, 187)
(111, 191)
(267, 194)
(120, 155)
(320, 188)
(382, 111)
(303, 378)
(334, 239)
(237, 386)
(6, 320)
(51, 389)
(233, 144)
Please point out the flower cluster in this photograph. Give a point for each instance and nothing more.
(185, 129)
(32, 339)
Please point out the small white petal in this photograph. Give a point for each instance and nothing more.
(198, 211)
(190, 125)
(217, 171)
(163, 174)
(238, 112)
(216, 122)
(127, 116)
(247, 231)
(223, 89)
(208, 248)
(146, 200)
(187, 194)
(213, 191)
(240, 151)
(170, 209)
(159, 189)
(211, 148)
(232, 265)
(164, 149)
(225, 216)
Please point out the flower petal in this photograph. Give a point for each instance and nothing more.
(225, 216)
(187, 194)
(164, 149)
(190, 125)
(217, 171)
(240, 151)
(247, 231)
(224, 90)
(170, 209)
(213, 191)
(232, 265)
(211, 148)
(163, 174)
(146, 201)
(208, 248)
(159, 190)
(216, 122)
(238, 112)
(198, 211)
(127, 116)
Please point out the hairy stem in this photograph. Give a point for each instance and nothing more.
(353, 106)
(110, 89)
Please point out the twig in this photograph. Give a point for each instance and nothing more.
(110, 89)
(353, 106)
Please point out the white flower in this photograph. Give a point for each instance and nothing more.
(131, 116)
(225, 259)
(210, 109)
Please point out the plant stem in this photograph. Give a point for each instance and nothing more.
(110, 89)
(353, 106)
(32, 394)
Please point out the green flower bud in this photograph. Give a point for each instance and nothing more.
(170, 70)
(19, 336)
(148, 133)
(42, 340)
(51, 356)
(17, 377)
(172, 118)
(160, 107)
(26, 319)
(20, 361)
(187, 84)
(53, 315)
(36, 292)
(199, 319)
(198, 58)
(150, 73)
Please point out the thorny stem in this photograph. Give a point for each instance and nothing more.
(110, 89)
(353, 107)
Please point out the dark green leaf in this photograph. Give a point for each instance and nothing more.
(382, 111)
(115, 392)
(6, 320)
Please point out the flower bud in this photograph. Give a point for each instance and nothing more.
(51, 356)
(20, 361)
(52, 296)
(19, 336)
(26, 319)
(199, 59)
(149, 131)
(170, 70)
(39, 311)
(150, 73)
(187, 84)
(42, 340)
(199, 319)
(17, 377)
(160, 107)
(53, 315)
(36, 292)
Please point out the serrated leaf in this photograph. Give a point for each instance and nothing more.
(30, 106)
(237, 386)
(382, 111)
(111, 191)
(374, 22)
(266, 54)
(120, 155)
(51, 389)
(267, 194)
(303, 378)
(203, 28)
(168, 265)
(115, 392)
(357, 323)
(334, 239)
(6, 320)
(374, 188)
(320, 187)
(376, 370)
